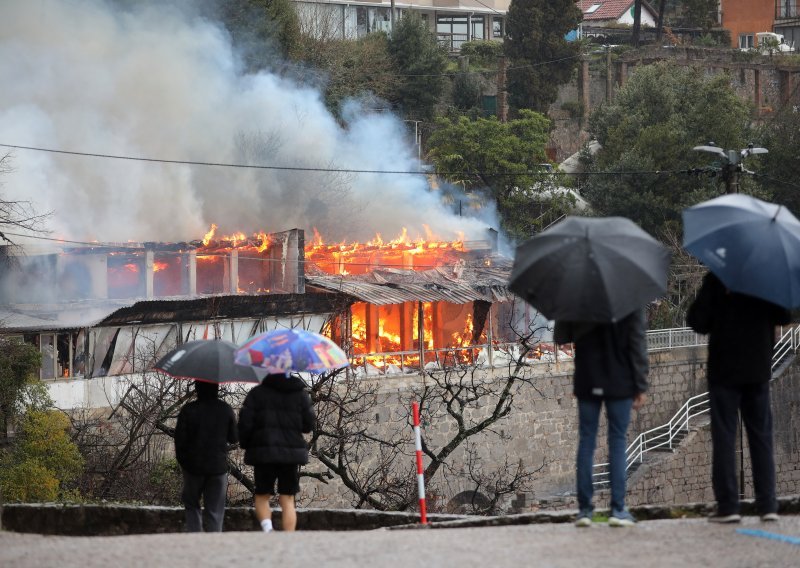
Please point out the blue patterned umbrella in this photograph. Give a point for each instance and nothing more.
(286, 350)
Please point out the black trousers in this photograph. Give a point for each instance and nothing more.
(213, 490)
(753, 403)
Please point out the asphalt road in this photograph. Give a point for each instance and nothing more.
(651, 544)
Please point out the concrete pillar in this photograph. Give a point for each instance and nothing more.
(502, 95)
(609, 75)
(233, 272)
(623, 73)
(757, 90)
(786, 87)
(148, 273)
(191, 273)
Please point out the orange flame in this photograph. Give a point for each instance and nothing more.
(209, 235)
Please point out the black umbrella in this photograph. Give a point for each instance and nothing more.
(590, 269)
(210, 361)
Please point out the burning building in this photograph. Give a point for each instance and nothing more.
(396, 306)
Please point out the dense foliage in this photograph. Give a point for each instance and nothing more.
(42, 460)
(505, 157)
(649, 130)
(540, 59)
(19, 364)
(420, 63)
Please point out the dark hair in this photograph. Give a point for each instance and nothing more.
(206, 390)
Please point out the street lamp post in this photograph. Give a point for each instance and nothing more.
(732, 162)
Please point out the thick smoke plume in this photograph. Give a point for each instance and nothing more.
(153, 82)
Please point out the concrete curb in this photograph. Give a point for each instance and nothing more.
(118, 519)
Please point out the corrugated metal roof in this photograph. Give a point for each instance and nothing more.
(486, 280)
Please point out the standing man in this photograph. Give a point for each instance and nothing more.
(611, 367)
(741, 332)
(272, 421)
(204, 430)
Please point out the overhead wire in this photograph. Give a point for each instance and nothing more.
(329, 170)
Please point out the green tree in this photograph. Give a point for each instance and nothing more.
(700, 13)
(19, 364)
(505, 158)
(351, 69)
(779, 170)
(259, 27)
(539, 56)
(420, 63)
(651, 126)
(43, 459)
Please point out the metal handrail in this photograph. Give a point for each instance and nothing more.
(664, 436)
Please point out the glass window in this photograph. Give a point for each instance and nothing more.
(745, 41)
(497, 27)
(476, 24)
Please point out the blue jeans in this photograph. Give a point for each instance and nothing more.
(618, 412)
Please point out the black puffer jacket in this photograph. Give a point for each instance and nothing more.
(205, 428)
(273, 418)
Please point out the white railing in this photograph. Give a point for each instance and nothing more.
(659, 339)
(786, 346)
(663, 437)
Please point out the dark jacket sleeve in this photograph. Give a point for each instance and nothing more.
(309, 418)
(246, 421)
(640, 362)
(700, 315)
(181, 438)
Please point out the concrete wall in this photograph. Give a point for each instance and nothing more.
(542, 429)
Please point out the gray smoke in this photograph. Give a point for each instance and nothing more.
(155, 82)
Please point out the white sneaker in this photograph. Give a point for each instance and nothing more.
(770, 517)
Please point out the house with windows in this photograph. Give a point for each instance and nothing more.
(746, 18)
(454, 21)
(601, 14)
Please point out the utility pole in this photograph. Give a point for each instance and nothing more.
(732, 163)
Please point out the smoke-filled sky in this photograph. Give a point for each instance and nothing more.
(157, 83)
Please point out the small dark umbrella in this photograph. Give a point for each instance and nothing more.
(590, 269)
(211, 361)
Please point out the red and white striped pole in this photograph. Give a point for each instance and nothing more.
(420, 472)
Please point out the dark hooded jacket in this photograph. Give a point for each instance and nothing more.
(203, 432)
(273, 419)
(741, 333)
(610, 358)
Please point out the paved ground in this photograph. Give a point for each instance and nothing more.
(651, 544)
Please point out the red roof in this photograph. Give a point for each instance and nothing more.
(606, 10)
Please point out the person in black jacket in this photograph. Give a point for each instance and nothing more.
(203, 432)
(611, 367)
(741, 339)
(272, 421)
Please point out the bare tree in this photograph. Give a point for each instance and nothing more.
(363, 433)
(16, 215)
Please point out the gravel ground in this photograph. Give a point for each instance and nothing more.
(651, 544)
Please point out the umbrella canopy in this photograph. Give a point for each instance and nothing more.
(590, 269)
(752, 246)
(285, 350)
(211, 361)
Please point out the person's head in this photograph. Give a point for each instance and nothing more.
(206, 390)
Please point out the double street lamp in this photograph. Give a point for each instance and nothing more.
(732, 163)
